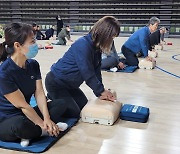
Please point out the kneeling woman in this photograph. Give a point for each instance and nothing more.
(20, 78)
(82, 62)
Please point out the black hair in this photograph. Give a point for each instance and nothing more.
(34, 24)
(15, 32)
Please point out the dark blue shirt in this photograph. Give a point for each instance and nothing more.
(139, 41)
(82, 62)
(12, 78)
(49, 33)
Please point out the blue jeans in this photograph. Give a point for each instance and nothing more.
(109, 62)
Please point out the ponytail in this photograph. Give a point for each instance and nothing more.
(14, 32)
(3, 52)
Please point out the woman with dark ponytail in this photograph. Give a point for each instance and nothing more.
(3, 53)
(20, 78)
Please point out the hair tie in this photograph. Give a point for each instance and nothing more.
(6, 46)
(9, 50)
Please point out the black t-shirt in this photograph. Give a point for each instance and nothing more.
(12, 78)
(154, 38)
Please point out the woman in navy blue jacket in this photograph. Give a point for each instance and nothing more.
(82, 62)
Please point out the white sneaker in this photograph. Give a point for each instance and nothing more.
(62, 126)
(24, 142)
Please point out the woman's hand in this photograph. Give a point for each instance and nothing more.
(107, 95)
(149, 58)
(121, 65)
(51, 127)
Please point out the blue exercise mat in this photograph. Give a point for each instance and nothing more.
(40, 145)
(127, 69)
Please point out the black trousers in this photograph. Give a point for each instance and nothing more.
(74, 98)
(131, 58)
(154, 38)
(20, 127)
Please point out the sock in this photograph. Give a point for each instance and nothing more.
(114, 69)
(62, 126)
(24, 142)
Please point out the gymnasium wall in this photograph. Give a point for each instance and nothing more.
(82, 14)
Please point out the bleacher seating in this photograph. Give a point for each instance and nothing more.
(82, 14)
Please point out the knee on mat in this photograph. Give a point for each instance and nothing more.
(133, 63)
(26, 129)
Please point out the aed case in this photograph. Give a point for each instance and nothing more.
(101, 112)
(134, 113)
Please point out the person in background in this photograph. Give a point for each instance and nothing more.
(64, 36)
(110, 60)
(157, 38)
(138, 42)
(49, 33)
(163, 31)
(34, 25)
(39, 34)
(59, 24)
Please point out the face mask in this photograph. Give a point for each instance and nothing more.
(33, 51)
